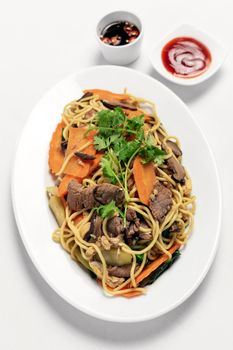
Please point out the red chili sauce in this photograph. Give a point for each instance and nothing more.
(186, 57)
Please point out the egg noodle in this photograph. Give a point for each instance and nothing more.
(71, 233)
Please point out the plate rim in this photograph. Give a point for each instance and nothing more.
(43, 273)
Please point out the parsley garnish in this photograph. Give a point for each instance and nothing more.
(108, 210)
(127, 150)
(152, 153)
(102, 143)
(110, 122)
(135, 123)
(139, 257)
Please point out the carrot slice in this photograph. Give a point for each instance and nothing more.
(76, 140)
(155, 264)
(130, 114)
(131, 294)
(145, 179)
(95, 163)
(108, 95)
(63, 186)
(56, 156)
(78, 219)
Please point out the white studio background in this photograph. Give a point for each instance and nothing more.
(41, 42)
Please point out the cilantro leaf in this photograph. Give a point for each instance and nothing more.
(119, 144)
(101, 142)
(110, 168)
(152, 153)
(110, 122)
(135, 123)
(126, 151)
(107, 210)
(139, 257)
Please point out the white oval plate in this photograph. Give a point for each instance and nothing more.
(36, 223)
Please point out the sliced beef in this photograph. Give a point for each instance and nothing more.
(85, 156)
(145, 236)
(160, 201)
(105, 193)
(174, 147)
(113, 104)
(92, 196)
(74, 197)
(174, 227)
(131, 214)
(120, 271)
(176, 168)
(132, 226)
(115, 226)
(87, 199)
(95, 230)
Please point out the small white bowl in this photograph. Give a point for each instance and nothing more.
(217, 50)
(123, 54)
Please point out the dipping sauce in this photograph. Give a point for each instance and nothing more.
(186, 57)
(119, 33)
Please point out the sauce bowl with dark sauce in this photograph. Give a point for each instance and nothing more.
(119, 35)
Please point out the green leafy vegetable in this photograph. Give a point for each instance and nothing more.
(110, 122)
(108, 210)
(102, 143)
(127, 150)
(108, 171)
(151, 153)
(139, 257)
(161, 269)
(135, 123)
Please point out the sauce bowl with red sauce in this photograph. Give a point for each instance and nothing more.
(187, 56)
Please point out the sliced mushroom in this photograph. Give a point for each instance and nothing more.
(176, 168)
(95, 229)
(113, 104)
(174, 147)
(84, 156)
(87, 94)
